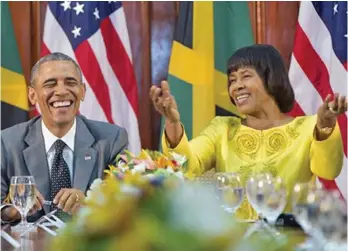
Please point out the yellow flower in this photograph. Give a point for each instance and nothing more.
(111, 170)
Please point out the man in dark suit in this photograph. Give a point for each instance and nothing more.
(64, 151)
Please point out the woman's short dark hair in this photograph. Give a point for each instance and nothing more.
(269, 65)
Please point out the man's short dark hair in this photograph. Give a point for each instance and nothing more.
(55, 56)
(269, 65)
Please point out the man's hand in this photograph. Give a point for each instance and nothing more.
(69, 200)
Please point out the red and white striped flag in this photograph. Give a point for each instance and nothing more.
(319, 66)
(95, 35)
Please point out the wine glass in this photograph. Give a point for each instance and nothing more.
(275, 201)
(23, 195)
(258, 188)
(263, 191)
(229, 190)
(332, 221)
(306, 199)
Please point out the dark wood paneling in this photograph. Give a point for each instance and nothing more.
(163, 16)
(21, 16)
(137, 17)
(280, 20)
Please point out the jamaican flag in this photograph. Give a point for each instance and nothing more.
(14, 100)
(206, 35)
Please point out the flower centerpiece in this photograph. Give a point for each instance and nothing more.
(133, 214)
(150, 164)
(130, 211)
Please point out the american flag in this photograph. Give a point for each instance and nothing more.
(319, 65)
(95, 35)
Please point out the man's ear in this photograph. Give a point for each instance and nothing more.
(32, 95)
(83, 91)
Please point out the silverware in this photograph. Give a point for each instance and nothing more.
(47, 202)
(38, 222)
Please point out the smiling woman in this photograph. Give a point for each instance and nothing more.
(259, 67)
(266, 139)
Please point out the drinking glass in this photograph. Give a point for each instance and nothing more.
(263, 191)
(229, 190)
(306, 199)
(332, 221)
(23, 195)
(275, 201)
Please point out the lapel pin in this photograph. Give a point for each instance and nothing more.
(88, 157)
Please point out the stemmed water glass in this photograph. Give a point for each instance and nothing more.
(23, 196)
(275, 202)
(306, 200)
(267, 195)
(332, 221)
(229, 189)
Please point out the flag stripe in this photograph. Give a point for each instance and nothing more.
(317, 72)
(297, 110)
(311, 64)
(44, 50)
(9, 51)
(120, 62)
(14, 89)
(183, 91)
(122, 112)
(118, 20)
(87, 60)
(12, 115)
(331, 185)
(303, 89)
(225, 20)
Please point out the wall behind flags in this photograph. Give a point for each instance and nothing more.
(151, 27)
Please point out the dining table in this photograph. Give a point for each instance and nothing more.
(39, 239)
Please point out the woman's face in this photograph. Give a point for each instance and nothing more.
(248, 91)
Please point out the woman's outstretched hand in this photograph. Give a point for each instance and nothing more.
(330, 109)
(164, 102)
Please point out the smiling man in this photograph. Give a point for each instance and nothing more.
(64, 151)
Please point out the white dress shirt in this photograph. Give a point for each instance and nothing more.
(68, 151)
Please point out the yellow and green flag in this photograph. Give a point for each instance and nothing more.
(14, 99)
(207, 34)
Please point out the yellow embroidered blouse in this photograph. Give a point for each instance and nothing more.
(289, 151)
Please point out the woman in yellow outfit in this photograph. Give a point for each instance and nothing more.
(267, 139)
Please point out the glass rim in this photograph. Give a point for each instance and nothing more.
(222, 173)
(29, 177)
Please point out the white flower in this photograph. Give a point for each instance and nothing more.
(170, 169)
(93, 189)
(82, 214)
(96, 184)
(130, 190)
(150, 176)
(179, 174)
(180, 159)
(140, 168)
(122, 166)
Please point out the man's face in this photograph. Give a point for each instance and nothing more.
(58, 90)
